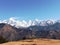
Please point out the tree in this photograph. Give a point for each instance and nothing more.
(2, 40)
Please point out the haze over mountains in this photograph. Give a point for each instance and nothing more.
(12, 29)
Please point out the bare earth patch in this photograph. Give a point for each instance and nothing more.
(34, 42)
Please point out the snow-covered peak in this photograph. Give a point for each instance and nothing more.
(50, 22)
(18, 23)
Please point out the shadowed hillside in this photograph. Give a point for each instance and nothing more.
(11, 33)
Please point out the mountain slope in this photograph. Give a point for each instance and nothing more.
(8, 32)
(12, 33)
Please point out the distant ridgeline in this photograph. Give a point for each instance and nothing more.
(11, 33)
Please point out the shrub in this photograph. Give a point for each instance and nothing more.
(2, 40)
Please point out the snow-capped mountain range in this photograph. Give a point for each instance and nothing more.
(17, 23)
(13, 29)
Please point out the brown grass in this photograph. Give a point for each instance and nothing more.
(34, 42)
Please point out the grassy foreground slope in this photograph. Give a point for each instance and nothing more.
(34, 42)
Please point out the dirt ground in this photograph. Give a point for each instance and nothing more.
(34, 42)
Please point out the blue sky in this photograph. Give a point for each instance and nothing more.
(30, 9)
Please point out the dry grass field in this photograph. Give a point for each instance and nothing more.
(34, 42)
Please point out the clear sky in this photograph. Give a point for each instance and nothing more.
(30, 9)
